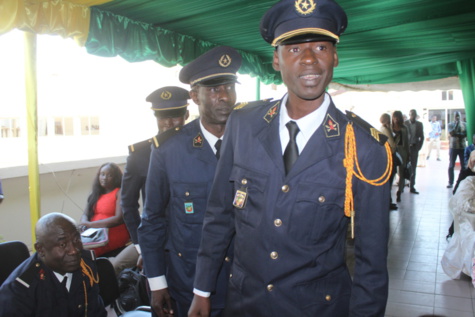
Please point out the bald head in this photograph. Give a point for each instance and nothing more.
(51, 221)
(58, 242)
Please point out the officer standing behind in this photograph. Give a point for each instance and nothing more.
(284, 188)
(60, 279)
(416, 139)
(180, 176)
(170, 106)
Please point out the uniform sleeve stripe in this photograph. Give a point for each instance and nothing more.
(23, 282)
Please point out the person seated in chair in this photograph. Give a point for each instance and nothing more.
(60, 279)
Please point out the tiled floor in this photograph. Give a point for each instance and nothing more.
(417, 284)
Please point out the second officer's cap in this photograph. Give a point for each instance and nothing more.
(216, 67)
(169, 102)
(297, 21)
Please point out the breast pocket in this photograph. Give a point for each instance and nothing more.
(249, 195)
(318, 212)
(189, 202)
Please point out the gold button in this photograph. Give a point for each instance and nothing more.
(328, 298)
(270, 287)
(37, 265)
(179, 254)
(227, 259)
(231, 275)
(244, 181)
(274, 255)
(187, 194)
(79, 306)
(285, 188)
(277, 222)
(321, 199)
(177, 128)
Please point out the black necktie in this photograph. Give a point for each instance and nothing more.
(65, 280)
(291, 152)
(217, 145)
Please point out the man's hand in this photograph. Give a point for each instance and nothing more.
(200, 307)
(161, 303)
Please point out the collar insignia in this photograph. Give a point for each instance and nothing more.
(332, 128)
(166, 95)
(198, 141)
(305, 7)
(271, 113)
(225, 61)
(42, 274)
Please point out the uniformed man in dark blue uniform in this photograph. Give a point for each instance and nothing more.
(170, 107)
(178, 183)
(60, 279)
(293, 175)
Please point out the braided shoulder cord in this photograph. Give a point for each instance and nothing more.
(349, 162)
(87, 271)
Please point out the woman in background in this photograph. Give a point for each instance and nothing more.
(103, 208)
(402, 147)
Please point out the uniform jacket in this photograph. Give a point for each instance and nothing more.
(33, 290)
(178, 183)
(133, 184)
(290, 233)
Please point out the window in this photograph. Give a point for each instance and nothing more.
(90, 126)
(10, 127)
(63, 126)
(447, 95)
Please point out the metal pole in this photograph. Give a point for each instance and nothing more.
(32, 130)
(258, 88)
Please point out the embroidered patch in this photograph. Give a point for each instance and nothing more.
(166, 95)
(305, 7)
(271, 113)
(198, 141)
(225, 61)
(331, 127)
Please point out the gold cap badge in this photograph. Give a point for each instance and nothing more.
(305, 7)
(225, 61)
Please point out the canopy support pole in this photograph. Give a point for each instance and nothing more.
(258, 88)
(32, 129)
(466, 69)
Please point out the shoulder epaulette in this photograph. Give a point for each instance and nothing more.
(368, 128)
(164, 136)
(29, 275)
(137, 146)
(249, 104)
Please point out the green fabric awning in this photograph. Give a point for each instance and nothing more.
(386, 41)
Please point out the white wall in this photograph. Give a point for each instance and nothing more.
(64, 189)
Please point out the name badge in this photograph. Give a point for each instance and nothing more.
(240, 198)
(189, 207)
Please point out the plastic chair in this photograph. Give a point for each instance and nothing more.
(12, 253)
(109, 289)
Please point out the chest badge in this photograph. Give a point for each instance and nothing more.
(240, 198)
(331, 127)
(189, 208)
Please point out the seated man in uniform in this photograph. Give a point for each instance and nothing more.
(60, 279)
